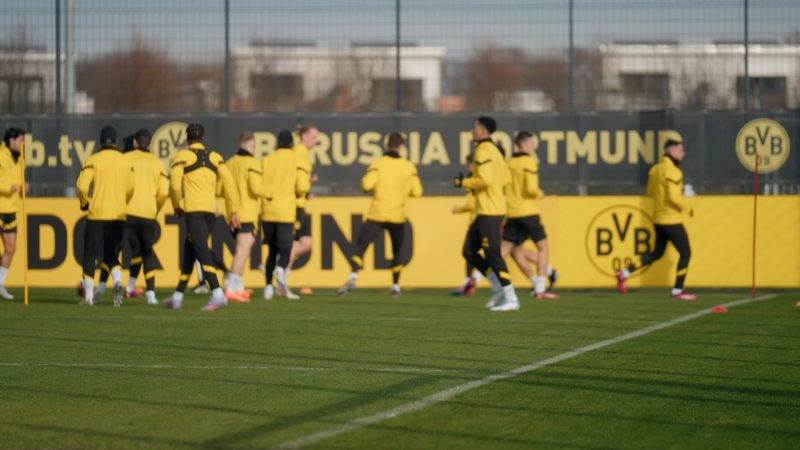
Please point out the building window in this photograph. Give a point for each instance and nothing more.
(276, 92)
(382, 95)
(646, 90)
(763, 92)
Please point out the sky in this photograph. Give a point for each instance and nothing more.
(194, 30)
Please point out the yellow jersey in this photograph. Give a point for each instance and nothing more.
(284, 182)
(665, 186)
(152, 184)
(10, 175)
(246, 172)
(489, 178)
(193, 180)
(391, 180)
(109, 174)
(304, 162)
(523, 192)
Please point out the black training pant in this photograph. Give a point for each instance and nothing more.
(198, 228)
(485, 233)
(371, 231)
(677, 235)
(279, 237)
(105, 236)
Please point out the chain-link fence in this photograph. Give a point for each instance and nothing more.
(97, 56)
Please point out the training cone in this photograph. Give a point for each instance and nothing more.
(306, 291)
(719, 310)
(797, 304)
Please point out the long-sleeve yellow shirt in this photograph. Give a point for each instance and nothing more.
(152, 184)
(109, 174)
(391, 180)
(523, 192)
(665, 186)
(489, 177)
(10, 175)
(284, 183)
(246, 172)
(304, 162)
(193, 180)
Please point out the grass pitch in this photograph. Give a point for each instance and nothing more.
(265, 374)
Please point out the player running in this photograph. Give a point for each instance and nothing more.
(392, 180)
(309, 138)
(10, 187)
(665, 186)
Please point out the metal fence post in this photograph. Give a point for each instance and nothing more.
(58, 58)
(746, 98)
(570, 61)
(398, 99)
(226, 82)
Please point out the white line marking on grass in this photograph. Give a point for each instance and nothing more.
(448, 394)
(251, 367)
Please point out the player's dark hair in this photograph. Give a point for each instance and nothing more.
(127, 143)
(194, 133)
(489, 123)
(395, 141)
(285, 139)
(521, 137)
(143, 138)
(12, 133)
(671, 143)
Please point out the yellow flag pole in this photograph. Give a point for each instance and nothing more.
(24, 228)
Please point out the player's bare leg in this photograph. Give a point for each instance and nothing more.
(539, 287)
(10, 245)
(236, 291)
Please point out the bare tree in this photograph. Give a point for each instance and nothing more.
(139, 78)
(489, 70)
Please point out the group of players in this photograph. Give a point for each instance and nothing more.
(123, 190)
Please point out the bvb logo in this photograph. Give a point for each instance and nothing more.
(617, 237)
(766, 140)
(167, 140)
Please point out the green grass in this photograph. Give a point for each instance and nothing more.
(261, 374)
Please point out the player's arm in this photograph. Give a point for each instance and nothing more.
(467, 206)
(7, 179)
(255, 180)
(482, 174)
(416, 184)
(84, 183)
(675, 192)
(302, 182)
(531, 181)
(370, 179)
(176, 181)
(162, 183)
(130, 182)
(228, 186)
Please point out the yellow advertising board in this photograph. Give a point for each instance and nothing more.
(590, 237)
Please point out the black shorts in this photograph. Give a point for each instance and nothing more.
(519, 229)
(302, 225)
(246, 227)
(139, 231)
(8, 222)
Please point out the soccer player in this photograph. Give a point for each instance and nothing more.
(193, 183)
(488, 180)
(246, 172)
(284, 182)
(392, 180)
(665, 186)
(152, 190)
(10, 186)
(308, 135)
(109, 174)
(523, 221)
